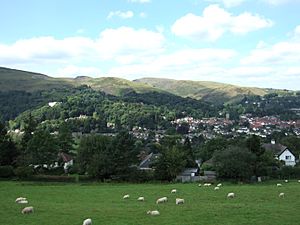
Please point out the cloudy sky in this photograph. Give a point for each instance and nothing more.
(244, 42)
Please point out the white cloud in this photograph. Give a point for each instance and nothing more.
(73, 71)
(120, 14)
(215, 21)
(279, 2)
(139, 1)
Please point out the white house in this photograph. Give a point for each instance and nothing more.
(282, 153)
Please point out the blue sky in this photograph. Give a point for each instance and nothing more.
(243, 42)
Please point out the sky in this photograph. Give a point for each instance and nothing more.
(242, 42)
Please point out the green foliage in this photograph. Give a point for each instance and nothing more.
(234, 163)
(8, 150)
(24, 172)
(207, 150)
(6, 171)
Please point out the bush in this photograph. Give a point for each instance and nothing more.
(6, 171)
(49, 178)
(23, 172)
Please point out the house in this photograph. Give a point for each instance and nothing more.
(281, 152)
(148, 161)
(189, 175)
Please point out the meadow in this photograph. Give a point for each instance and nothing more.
(70, 204)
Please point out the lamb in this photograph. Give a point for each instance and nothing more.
(219, 185)
(217, 188)
(207, 184)
(27, 210)
(153, 213)
(141, 199)
(278, 185)
(161, 200)
(281, 195)
(20, 199)
(173, 191)
(179, 201)
(230, 195)
(286, 181)
(87, 222)
(23, 202)
(126, 196)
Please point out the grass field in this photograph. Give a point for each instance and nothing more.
(69, 204)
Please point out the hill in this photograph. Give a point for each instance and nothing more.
(205, 90)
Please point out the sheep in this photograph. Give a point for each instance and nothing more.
(20, 199)
(281, 195)
(278, 185)
(23, 202)
(161, 200)
(27, 210)
(230, 195)
(298, 181)
(179, 201)
(219, 185)
(217, 188)
(126, 196)
(141, 199)
(207, 184)
(173, 191)
(286, 181)
(153, 213)
(199, 185)
(87, 222)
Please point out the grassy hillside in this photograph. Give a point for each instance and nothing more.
(206, 90)
(62, 204)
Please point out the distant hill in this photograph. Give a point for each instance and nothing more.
(205, 90)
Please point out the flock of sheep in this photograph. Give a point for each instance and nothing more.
(29, 209)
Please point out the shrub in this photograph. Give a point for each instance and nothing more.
(23, 172)
(49, 178)
(6, 171)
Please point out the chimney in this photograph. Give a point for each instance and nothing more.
(273, 142)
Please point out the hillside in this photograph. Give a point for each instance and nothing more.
(205, 90)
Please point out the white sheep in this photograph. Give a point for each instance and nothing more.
(179, 201)
(23, 202)
(219, 185)
(207, 184)
(298, 181)
(161, 200)
(27, 210)
(20, 199)
(126, 196)
(217, 188)
(230, 195)
(141, 199)
(173, 191)
(286, 181)
(278, 185)
(281, 195)
(153, 213)
(87, 222)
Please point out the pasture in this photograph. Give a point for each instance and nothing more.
(70, 204)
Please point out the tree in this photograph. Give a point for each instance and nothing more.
(42, 148)
(29, 128)
(189, 154)
(8, 150)
(170, 163)
(234, 163)
(208, 149)
(64, 138)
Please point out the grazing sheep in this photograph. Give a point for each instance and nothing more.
(230, 195)
(27, 210)
(298, 181)
(199, 185)
(281, 195)
(286, 181)
(278, 185)
(23, 202)
(20, 199)
(161, 200)
(179, 201)
(219, 185)
(126, 196)
(217, 188)
(87, 222)
(141, 199)
(173, 191)
(207, 184)
(153, 213)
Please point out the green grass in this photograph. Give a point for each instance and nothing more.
(63, 204)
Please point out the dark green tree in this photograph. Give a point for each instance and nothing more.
(8, 150)
(64, 139)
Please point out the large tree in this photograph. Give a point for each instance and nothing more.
(8, 150)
